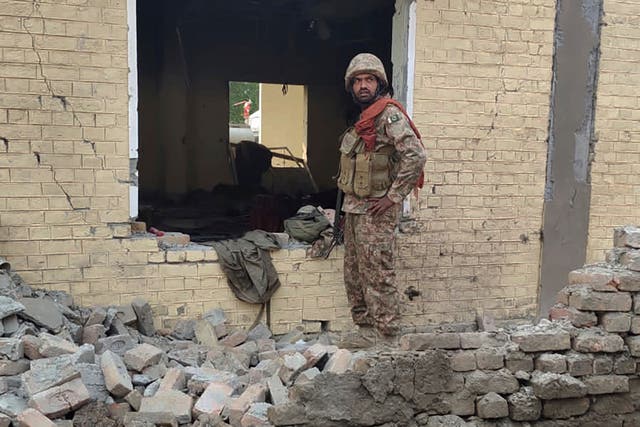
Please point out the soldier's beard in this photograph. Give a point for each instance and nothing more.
(367, 99)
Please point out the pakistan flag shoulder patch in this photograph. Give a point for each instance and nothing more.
(394, 118)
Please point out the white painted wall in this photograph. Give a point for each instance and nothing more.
(133, 104)
(403, 51)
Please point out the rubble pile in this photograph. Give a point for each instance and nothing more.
(578, 369)
(108, 366)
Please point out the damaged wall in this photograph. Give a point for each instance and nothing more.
(482, 89)
(69, 230)
(578, 369)
(64, 172)
(615, 197)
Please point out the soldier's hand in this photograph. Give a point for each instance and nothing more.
(379, 206)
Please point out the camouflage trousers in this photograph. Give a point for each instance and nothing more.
(369, 274)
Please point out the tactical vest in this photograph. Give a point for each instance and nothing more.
(365, 173)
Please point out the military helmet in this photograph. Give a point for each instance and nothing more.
(365, 63)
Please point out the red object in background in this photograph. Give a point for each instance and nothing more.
(267, 213)
(246, 108)
(156, 231)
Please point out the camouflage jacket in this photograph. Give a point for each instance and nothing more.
(393, 128)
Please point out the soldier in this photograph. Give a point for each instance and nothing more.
(381, 161)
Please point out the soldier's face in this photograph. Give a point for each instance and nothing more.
(365, 87)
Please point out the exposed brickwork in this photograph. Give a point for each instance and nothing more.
(65, 198)
(483, 73)
(64, 167)
(614, 178)
(64, 171)
(565, 370)
(481, 100)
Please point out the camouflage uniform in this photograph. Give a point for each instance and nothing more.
(369, 273)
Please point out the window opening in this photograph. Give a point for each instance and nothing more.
(209, 76)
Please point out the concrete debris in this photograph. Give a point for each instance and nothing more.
(292, 366)
(628, 237)
(13, 403)
(174, 379)
(45, 377)
(548, 386)
(59, 400)
(546, 336)
(205, 333)
(142, 356)
(278, 392)
(565, 408)
(524, 405)
(491, 406)
(213, 399)
(9, 307)
(110, 366)
(175, 402)
(184, 329)
(42, 312)
(116, 377)
(202, 368)
(119, 344)
(32, 418)
(143, 311)
(127, 314)
(238, 406)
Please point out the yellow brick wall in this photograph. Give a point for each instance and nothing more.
(481, 100)
(63, 171)
(615, 177)
(64, 125)
(483, 73)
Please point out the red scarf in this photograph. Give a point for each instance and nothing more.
(366, 126)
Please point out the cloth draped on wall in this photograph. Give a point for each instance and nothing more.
(247, 263)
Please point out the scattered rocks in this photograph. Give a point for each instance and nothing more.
(547, 385)
(565, 408)
(109, 366)
(491, 406)
(142, 356)
(546, 336)
(144, 314)
(116, 377)
(59, 400)
(524, 405)
(173, 401)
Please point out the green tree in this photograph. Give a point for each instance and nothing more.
(242, 91)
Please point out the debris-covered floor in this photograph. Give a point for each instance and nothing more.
(109, 366)
(228, 212)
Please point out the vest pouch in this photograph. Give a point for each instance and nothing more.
(349, 142)
(345, 177)
(362, 175)
(380, 174)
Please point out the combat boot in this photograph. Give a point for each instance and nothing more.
(361, 337)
